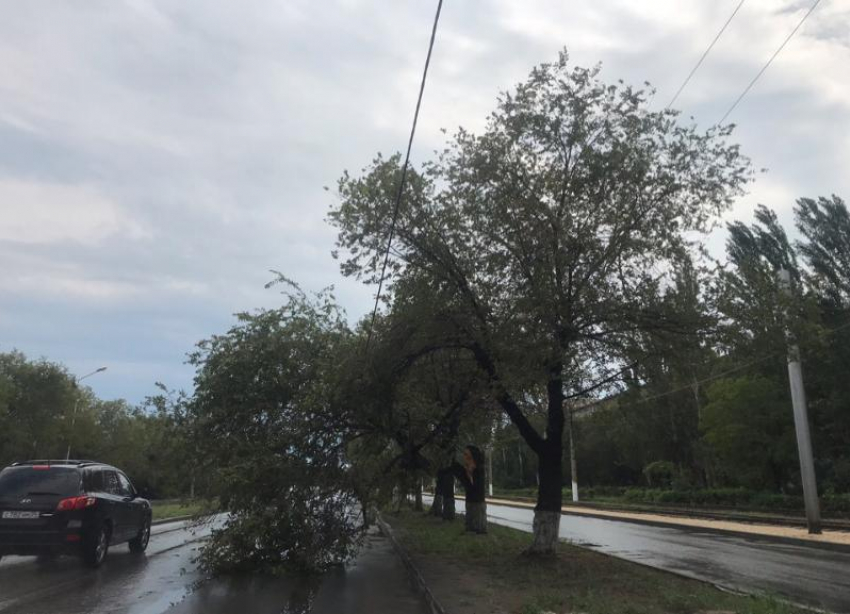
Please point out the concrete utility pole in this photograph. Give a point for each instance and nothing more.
(490, 449)
(490, 471)
(573, 467)
(801, 424)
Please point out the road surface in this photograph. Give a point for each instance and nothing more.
(166, 581)
(802, 574)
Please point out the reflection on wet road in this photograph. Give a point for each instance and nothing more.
(803, 574)
(167, 581)
(126, 583)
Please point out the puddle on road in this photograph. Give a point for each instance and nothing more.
(265, 594)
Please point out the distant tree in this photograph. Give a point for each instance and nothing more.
(825, 226)
(546, 239)
(37, 399)
(747, 421)
(825, 248)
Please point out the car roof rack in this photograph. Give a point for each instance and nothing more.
(53, 461)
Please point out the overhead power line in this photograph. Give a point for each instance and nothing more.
(741, 367)
(705, 54)
(746, 365)
(404, 173)
(769, 62)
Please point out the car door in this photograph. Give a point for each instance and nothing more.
(117, 504)
(134, 506)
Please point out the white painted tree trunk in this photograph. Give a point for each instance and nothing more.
(546, 528)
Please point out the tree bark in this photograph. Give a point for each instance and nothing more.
(547, 512)
(417, 493)
(445, 490)
(546, 528)
(437, 505)
(449, 506)
(549, 448)
(476, 517)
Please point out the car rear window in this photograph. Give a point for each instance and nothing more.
(23, 481)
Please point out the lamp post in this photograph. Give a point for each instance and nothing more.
(76, 403)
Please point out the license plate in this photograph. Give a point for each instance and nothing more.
(19, 515)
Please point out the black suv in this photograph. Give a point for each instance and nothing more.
(70, 507)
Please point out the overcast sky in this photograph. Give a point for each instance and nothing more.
(157, 158)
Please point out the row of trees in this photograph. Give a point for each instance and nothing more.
(736, 428)
(540, 263)
(550, 266)
(38, 400)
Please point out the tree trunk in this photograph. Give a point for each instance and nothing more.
(445, 489)
(417, 493)
(449, 507)
(547, 512)
(437, 505)
(546, 528)
(476, 517)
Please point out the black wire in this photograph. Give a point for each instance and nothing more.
(740, 367)
(404, 173)
(769, 62)
(699, 63)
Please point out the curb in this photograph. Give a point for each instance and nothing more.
(172, 519)
(832, 524)
(794, 541)
(414, 572)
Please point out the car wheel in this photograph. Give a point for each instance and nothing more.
(140, 542)
(96, 547)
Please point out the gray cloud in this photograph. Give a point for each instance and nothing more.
(157, 157)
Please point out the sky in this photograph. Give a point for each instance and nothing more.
(158, 158)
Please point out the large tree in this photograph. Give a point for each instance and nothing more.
(548, 239)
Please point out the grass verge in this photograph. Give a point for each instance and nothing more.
(489, 573)
(171, 509)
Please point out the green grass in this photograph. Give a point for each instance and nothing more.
(495, 570)
(171, 509)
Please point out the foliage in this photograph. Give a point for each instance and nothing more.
(547, 239)
(720, 410)
(266, 423)
(38, 399)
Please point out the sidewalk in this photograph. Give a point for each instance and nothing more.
(829, 538)
(374, 582)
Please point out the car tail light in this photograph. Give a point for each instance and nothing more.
(72, 537)
(41, 467)
(75, 503)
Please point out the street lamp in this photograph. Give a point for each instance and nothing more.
(76, 403)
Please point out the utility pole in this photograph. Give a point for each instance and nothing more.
(801, 423)
(76, 404)
(490, 450)
(573, 466)
(490, 472)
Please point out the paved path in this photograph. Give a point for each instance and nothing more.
(838, 538)
(167, 581)
(804, 574)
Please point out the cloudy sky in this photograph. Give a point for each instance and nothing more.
(157, 158)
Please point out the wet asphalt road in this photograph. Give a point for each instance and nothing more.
(166, 581)
(126, 583)
(802, 574)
